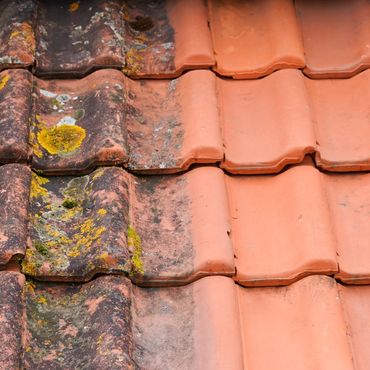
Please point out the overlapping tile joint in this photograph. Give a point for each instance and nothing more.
(184, 184)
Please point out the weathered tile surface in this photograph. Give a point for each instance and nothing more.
(79, 124)
(17, 39)
(11, 319)
(254, 38)
(15, 112)
(78, 225)
(15, 182)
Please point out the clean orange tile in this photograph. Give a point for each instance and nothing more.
(301, 326)
(356, 308)
(349, 201)
(341, 117)
(280, 227)
(252, 39)
(266, 123)
(335, 37)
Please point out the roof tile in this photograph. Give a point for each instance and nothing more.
(14, 189)
(277, 235)
(11, 318)
(17, 39)
(111, 221)
(335, 37)
(15, 111)
(299, 324)
(252, 39)
(110, 322)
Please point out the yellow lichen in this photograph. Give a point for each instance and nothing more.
(73, 7)
(61, 139)
(102, 211)
(134, 244)
(42, 300)
(4, 80)
(30, 264)
(36, 186)
(134, 60)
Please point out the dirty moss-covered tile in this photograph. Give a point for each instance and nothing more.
(78, 225)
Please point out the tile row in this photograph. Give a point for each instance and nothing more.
(164, 126)
(209, 324)
(163, 38)
(271, 229)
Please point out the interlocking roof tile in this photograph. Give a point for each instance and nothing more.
(156, 39)
(17, 39)
(335, 37)
(79, 124)
(110, 322)
(11, 319)
(15, 111)
(278, 236)
(156, 229)
(299, 326)
(252, 39)
(274, 121)
(14, 190)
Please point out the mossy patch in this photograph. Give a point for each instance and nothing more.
(69, 203)
(134, 244)
(41, 248)
(61, 139)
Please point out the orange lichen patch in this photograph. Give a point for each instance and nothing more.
(73, 6)
(4, 80)
(61, 139)
(25, 36)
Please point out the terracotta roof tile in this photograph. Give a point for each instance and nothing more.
(17, 39)
(335, 37)
(270, 122)
(14, 189)
(278, 236)
(15, 111)
(11, 318)
(252, 39)
(111, 221)
(109, 322)
(300, 324)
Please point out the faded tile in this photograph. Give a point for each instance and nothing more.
(78, 226)
(14, 190)
(17, 39)
(79, 124)
(15, 112)
(11, 319)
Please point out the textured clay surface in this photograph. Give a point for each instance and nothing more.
(15, 112)
(17, 39)
(78, 225)
(15, 180)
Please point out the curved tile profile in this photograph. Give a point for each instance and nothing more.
(172, 124)
(141, 37)
(266, 124)
(349, 201)
(253, 39)
(183, 224)
(11, 318)
(299, 324)
(109, 322)
(15, 111)
(17, 39)
(78, 226)
(79, 124)
(341, 111)
(15, 182)
(278, 236)
(335, 37)
(111, 221)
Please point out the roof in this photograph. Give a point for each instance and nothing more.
(184, 184)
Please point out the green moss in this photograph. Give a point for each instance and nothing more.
(69, 203)
(134, 244)
(41, 248)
